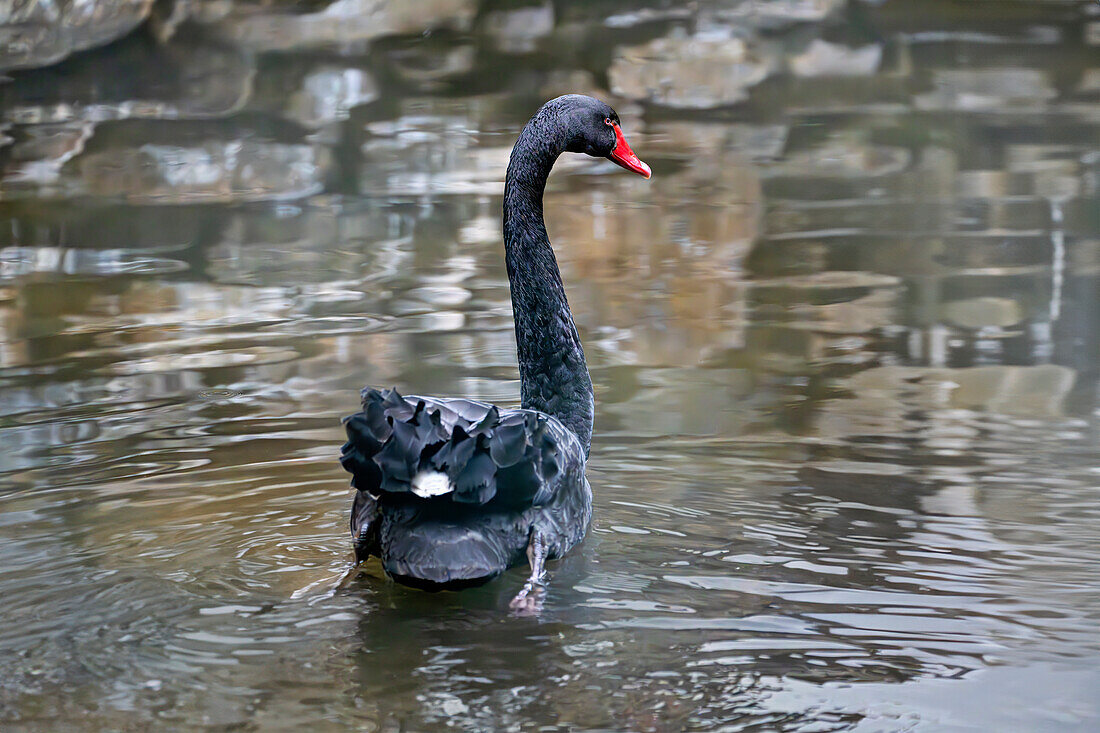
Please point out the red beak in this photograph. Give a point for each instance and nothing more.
(622, 155)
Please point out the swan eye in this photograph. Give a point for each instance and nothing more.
(607, 121)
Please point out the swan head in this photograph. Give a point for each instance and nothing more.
(592, 127)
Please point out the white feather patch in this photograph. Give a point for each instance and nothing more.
(431, 483)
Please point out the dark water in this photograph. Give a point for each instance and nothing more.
(846, 346)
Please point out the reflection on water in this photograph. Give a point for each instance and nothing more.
(845, 346)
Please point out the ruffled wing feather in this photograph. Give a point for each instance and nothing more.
(509, 458)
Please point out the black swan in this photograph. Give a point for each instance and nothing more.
(450, 491)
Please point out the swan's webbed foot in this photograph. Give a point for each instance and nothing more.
(528, 602)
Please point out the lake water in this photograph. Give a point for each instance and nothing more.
(845, 343)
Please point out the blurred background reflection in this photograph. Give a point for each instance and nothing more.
(846, 347)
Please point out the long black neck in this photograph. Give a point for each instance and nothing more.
(553, 374)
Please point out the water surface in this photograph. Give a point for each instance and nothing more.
(845, 346)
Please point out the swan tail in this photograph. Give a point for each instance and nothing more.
(436, 554)
(449, 450)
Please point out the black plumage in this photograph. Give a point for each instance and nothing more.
(472, 445)
(450, 492)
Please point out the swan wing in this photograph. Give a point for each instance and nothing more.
(451, 449)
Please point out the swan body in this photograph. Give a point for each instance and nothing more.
(451, 492)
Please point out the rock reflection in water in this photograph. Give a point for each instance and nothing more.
(845, 348)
